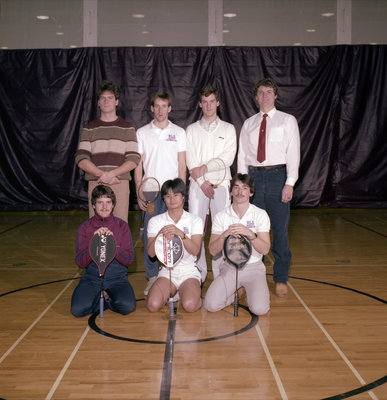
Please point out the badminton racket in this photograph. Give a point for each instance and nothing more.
(216, 172)
(169, 252)
(148, 192)
(237, 250)
(102, 250)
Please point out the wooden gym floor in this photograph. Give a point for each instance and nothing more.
(326, 340)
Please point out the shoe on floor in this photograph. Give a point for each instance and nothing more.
(151, 281)
(281, 289)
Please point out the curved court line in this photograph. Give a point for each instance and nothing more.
(96, 328)
(345, 395)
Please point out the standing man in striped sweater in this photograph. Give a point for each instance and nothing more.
(108, 151)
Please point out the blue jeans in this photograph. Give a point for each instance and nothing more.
(151, 263)
(267, 195)
(85, 298)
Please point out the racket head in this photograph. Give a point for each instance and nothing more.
(237, 250)
(216, 171)
(149, 190)
(169, 251)
(102, 250)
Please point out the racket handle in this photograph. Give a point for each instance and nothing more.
(171, 307)
(236, 305)
(101, 304)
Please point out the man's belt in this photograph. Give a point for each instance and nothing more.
(268, 167)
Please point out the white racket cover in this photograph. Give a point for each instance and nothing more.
(169, 252)
(216, 171)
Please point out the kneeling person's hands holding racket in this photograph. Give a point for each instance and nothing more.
(102, 250)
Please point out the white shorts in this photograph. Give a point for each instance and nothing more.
(179, 275)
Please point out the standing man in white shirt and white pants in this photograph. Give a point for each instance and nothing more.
(269, 151)
(162, 146)
(209, 138)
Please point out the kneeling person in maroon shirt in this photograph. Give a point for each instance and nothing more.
(118, 292)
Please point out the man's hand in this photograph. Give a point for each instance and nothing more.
(287, 193)
(103, 230)
(238, 230)
(197, 172)
(142, 203)
(207, 189)
(170, 231)
(108, 178)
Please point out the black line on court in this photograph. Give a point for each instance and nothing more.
(359, 390)
(96, 328)
(166, 379)
(15, 226)
(252, 323)
(364, 227)
(37, 285)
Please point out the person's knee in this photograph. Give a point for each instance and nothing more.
(78, 312)
(126, 308)
(191, 304)
(259, 309)
(153, 305)
(210, 305)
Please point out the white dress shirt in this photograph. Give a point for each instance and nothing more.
(282, 143)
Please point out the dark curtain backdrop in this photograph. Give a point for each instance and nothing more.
(337, 93)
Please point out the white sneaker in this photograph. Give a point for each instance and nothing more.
(151, 281)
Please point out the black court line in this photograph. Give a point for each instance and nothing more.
(359, 390)
(166, 379)
(96, 328)
(15, 226)
(364, 227)
(252, 323)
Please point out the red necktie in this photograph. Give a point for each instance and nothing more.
(261, 156)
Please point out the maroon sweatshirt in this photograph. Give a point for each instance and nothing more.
(121, 234)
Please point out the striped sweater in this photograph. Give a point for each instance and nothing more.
(108, 145)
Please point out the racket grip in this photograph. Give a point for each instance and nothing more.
(236, 305)
(101, 304)
(171, 307)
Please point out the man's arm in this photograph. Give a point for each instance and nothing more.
(260, 241)
(292, 160)
(137, 181)
(182, 165)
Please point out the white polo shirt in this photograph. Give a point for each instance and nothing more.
(159, 148)
(254, 218)
(188, 223)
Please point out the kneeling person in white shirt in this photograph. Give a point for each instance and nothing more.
(185, 276)
(241, 218)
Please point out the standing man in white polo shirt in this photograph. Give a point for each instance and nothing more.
(208, 138)
(162, 146)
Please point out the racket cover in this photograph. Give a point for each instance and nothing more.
(237, 250)
(169, 251)
(102, 251)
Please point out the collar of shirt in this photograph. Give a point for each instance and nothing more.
(154, 126)
(209, 127)
(270, 113)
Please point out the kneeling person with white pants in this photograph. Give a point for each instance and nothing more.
(241, 218)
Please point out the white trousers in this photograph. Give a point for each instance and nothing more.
(199, 204)
(252, 277)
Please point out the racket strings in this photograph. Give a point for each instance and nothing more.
(216, 171)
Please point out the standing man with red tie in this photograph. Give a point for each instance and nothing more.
(269, 151)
